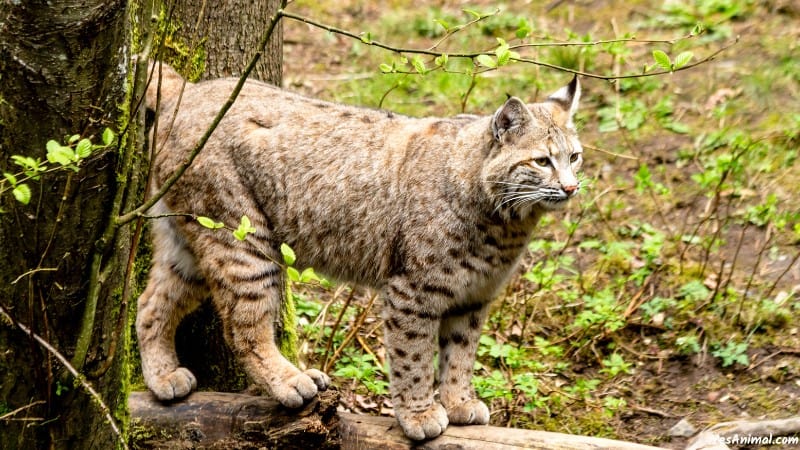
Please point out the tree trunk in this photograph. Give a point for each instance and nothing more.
(224, 35)
(228, 33)
(65, 69)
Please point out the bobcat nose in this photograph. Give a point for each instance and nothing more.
(570, 189)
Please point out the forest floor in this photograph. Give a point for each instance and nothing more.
(670, 289)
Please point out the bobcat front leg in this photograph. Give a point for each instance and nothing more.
(458, 342)
(410, 336)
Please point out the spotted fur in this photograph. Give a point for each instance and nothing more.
(433, 212)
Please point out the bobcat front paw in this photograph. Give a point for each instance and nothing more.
(425, 424)
(321, 379)
(176, 384)
(298, 388)
(470, 412)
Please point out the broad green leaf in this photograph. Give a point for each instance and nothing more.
(662, 59)
(293, 274)
(309, 275)
(240, 234)
(682, 59)
(288, 254)
(366, 37)
(22, 193)
(209, 223)
(472, 13)
(108, 136)
(385, 68)
(441, 60)
(443, 24)
(486, 61)
(523, 28)
(11, 178)
(419, 64)
(74, 138)
(503, 55)
(83, 149)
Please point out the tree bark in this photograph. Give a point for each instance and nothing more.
(228, 33)
(64, 70)
(226, 36)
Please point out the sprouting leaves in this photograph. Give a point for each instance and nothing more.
(64, 156)
(663, 61)
(210, 223)
(245, 228)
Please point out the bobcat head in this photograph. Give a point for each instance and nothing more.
(535, 154)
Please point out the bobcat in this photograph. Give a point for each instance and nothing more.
(433, 212)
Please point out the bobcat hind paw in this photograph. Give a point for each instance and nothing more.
(470, 412)
(427, 424)
(176, 384)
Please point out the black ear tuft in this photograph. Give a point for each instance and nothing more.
(512, 115)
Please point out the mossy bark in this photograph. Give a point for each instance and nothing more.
(65, 68)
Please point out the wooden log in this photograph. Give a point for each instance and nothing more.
(369, 432)
(216, 420)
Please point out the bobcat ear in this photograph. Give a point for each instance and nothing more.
(567, 99)
(509, 117)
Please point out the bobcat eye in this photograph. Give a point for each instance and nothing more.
(574, 157)
(542, 162)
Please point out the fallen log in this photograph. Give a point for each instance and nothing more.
(216, 420)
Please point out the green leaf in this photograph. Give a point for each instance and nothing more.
(293, 274)
(366, 37)
(83, 149)
(309, 275)
(57, 153)
(209, 223)
(288, 254)
(441, 60)
(523, 28)
(443, 24)
(22, 193)
(419, 64)
(472, 12)
(682, 59)
(662, 59)
(245, 227)
(108, 137)
(72, 139)
(385, 68)
(486, 61)
(11, 178)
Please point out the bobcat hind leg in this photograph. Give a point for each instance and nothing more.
(173, 291)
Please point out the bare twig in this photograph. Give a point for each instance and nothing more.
(81, 379)
(9, 415)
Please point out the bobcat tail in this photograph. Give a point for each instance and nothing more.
(171, 85)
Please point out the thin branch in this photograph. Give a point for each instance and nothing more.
(453, 30)
(81, 379)
(433, 52)
(13, 413)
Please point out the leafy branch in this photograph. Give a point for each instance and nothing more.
(504, 53)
